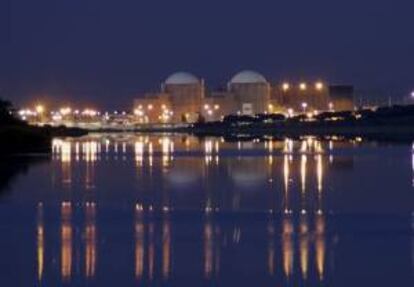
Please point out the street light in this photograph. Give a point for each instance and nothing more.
(302, 86)
(319, 86)
(285, 87)
(40, 109)
(304, 106)
(270, 107)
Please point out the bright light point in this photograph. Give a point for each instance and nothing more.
(302, 86)
(216, 107)
(40, 109)
(210, 112)
(285, 86)
(304, 105)
(270, 107)
(206, 107)
(412, 94)
(150, 107)
(65, 111)
(319, 86)
(138, 112)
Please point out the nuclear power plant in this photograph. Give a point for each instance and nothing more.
(184, 98)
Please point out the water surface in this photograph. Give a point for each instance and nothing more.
(174, 210)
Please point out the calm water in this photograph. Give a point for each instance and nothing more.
(130, 210)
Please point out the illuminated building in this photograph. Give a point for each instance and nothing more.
(251, 92)
(184, 98)
(180, 100)
(186, 93)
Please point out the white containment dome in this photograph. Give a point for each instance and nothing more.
(182, 78)
(248, 77)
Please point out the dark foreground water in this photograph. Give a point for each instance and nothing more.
(128, 210)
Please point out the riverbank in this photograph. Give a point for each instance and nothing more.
(393, 131)
(21, 138)
(384, 131)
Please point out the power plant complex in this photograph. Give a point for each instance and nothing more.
(184, 98)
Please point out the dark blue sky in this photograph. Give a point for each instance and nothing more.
(109, 51)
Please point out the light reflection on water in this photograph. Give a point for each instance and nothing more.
(288, 240)
(177, 210)
(187, 162)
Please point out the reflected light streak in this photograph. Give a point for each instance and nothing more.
(319, 178)
(66, 151)
(287, 246)
(165, 148)
(90, 238)
(166, 248)
(90, 150)
(139, 152)
(304, 146)
(286, 171)
(124, 148)
(66, 241)
(208, 249)
(107, 143)
(271, 248)
(208, 150)
(304, 246)
(150, 154)
(65, 157)
(288, 146)
(139, 242)
(217, 146)
(320, 245)
(116, 147)
(303, 167)
(318, 146)
(40, 242)
(77, 151)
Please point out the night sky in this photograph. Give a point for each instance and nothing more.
(107, 52)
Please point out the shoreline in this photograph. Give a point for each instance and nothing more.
(379, 132)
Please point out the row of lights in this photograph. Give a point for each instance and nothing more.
(40, 110)
(165, 114)
(319, 86)
(304, 106)
(210, 109)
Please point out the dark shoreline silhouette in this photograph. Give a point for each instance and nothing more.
(22, 138)
(18, 137)
(13, 166)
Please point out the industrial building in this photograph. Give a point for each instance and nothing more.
(184, 98)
